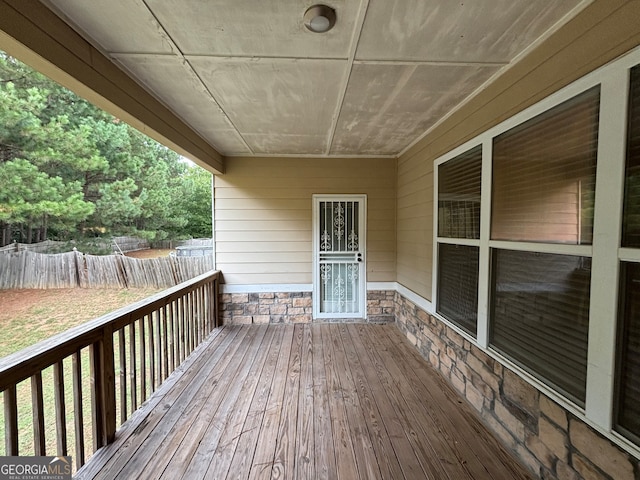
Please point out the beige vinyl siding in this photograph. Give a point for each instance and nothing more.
(263, 214)
(415, 225)
(600, 33)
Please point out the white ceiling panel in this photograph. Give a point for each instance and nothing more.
(401, 100)
(253, 28)
(172, 79)
(456, 31)
(117, 25)
(274, 96)
(251, 80)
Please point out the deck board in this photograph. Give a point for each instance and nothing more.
(325, 401)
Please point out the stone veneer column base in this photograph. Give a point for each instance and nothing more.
(296, 307)
(548, 439)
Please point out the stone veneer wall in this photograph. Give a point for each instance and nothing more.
(294, 307)
(551, 441)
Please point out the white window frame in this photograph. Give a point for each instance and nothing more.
(605, 252)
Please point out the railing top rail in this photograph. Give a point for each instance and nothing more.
(23, 364)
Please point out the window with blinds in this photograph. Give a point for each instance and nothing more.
(457, 298)
(627, 414)
(628, 369)
(544, 175)
(631, 219)
(543, 191)
(540, 315)
(459, 189)
(459, 195)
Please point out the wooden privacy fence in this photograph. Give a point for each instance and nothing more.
(117, 360)
(114, 244)
(41, 247)
(74, 269)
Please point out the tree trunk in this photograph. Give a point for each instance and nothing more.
(45, 227)
(6, 234)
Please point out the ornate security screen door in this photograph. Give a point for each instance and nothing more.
(339, 285)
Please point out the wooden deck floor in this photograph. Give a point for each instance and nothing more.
(332, 401)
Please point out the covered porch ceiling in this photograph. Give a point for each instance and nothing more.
(224, 78)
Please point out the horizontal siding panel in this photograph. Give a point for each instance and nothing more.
(383, 245)
(417, 199)
(261, 204)
(413, 215)
(273, 267)
(373, 267)
(414, 249)
(415, 184)
(258, 247)
(381, 215)
(270, 236)
(263, 215)
(266, 278)
(264, 257)
(263, 225)
(375, 257)
(298, 192)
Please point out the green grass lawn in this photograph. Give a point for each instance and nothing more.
(29, 316)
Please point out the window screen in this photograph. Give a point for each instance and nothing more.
(458, 285)
(544, 175)
(628, 378)
(631, 223)
(540, 315)
(459, 195)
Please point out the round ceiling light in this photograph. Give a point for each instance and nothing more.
(319, 18)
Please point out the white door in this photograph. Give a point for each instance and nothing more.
(339, 240)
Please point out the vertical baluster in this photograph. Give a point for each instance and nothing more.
(208, 315)
(165, 342)
(197, 315)
(176, 333)
(37, 405)
(208, 297)
(133, 374)
(143, 362)
(61, 414)
(152, 354)
(192, 319)
(10, 421)
(96, 392)
(180, 311)
(203, 312)
(158, 339)
(216, 303)
(78, 408)
(176, 330)
(170, 340)
(187, 323)
(123, 376)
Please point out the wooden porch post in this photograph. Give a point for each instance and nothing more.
(104, 389)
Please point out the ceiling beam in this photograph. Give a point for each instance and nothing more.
(35, 35)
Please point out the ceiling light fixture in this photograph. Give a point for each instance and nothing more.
(319, 18)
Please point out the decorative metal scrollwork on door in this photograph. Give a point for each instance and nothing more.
(339, 256)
